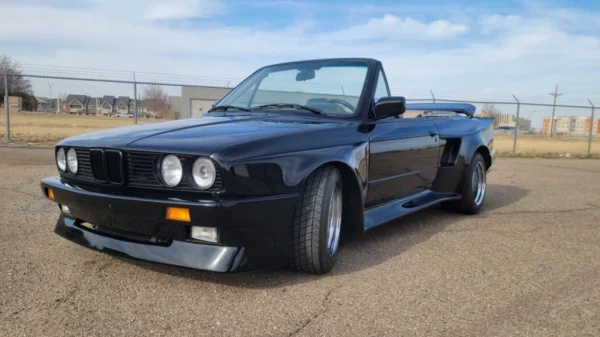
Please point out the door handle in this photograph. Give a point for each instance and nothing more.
(434, 134)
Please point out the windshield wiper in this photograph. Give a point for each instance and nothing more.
(289, 105)
(227, 107)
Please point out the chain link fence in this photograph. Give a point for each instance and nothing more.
(538, 129)
(47, 109)
(44, 109)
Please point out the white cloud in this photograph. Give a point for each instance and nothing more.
(391, 26)
(520, 54)
(183, 9)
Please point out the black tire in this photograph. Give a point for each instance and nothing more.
(467, 204)
(308, 244)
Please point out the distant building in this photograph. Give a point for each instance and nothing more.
(104, 106)
(175, 103)
(122, 105)
(571, 125)
(196, 101)
(15, 103)
(43, 104)
(193, 102)
(93, 106)
(75, 104)
(505, 120)
(509, 122)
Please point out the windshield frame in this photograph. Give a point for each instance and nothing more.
(365, 95)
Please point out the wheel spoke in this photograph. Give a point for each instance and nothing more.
(334, 221)
(478, 183)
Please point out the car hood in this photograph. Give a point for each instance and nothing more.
(203, 135)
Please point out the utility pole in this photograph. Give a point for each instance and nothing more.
(135, 105)
(589, 152)
(50, 94)
(555, 94)
(516, 124)
(6, 104)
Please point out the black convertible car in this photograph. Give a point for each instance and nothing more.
(294, 157)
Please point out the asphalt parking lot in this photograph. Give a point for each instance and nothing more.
(528, 265)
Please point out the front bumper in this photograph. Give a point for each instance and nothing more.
(253, 231)
(178, 253)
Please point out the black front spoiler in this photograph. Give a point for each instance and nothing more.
(183, 254)
(253, 232)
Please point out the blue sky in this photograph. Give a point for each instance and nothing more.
(472, 49)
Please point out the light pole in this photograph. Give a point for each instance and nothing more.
(50, 94)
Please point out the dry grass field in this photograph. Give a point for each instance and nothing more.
(47, 129)
(544, 146)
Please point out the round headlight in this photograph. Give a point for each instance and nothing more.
(171, 170)
(72, 160)
(204, 173)
(61, 159)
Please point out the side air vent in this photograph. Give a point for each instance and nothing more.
(450, 153)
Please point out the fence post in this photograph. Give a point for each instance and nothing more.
(135, 100)
(589, 153)
(6, 105)
(516, 124)
(432, 95)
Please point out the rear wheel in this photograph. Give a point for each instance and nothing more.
(472, 190)
(317, 223)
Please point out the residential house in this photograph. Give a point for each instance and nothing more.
(144, 108)
(92, 106)
(107, 104)
(75, 104)
(43, 104)
(122, 105)
(131, 110)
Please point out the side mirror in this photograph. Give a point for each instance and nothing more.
(390, 106)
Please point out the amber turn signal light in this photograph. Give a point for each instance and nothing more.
(178, 214)
(50, 193)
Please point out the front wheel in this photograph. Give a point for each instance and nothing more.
(472, 190)
(315, 235)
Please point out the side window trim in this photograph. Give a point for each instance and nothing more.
(380, 71)
(387, 87)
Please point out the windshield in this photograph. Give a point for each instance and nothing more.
(332, 87)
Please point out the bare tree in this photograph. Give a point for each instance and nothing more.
(17, 84)
(157, 101)
(489, 110)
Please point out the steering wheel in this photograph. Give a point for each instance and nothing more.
(341, 102)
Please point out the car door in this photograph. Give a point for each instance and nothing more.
(403, 156)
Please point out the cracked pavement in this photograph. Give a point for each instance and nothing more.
(528, 265)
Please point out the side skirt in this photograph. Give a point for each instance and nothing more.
(381, 214)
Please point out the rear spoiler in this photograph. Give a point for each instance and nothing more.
(461, 108)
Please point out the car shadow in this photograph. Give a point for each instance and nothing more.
(377, 246)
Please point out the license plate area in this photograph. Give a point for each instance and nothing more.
(123, 235)
(108, 221)
(127, 225)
